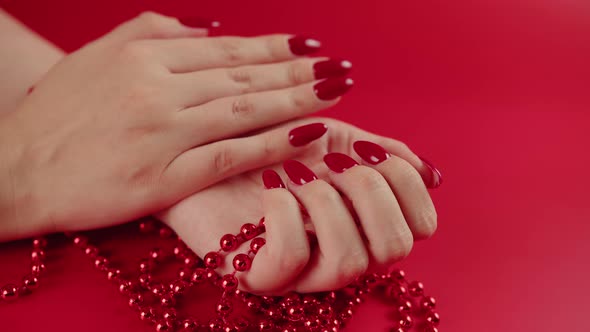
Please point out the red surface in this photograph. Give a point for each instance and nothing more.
(494, 92)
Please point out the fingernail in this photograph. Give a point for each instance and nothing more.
(436, 179)
(339, 162)
(331, 68)
(272, 180)
(300, 45)
(332, 88)
(305, 134)
(298, 173)
(199, 22)
(371, 152)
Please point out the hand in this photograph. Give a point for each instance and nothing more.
(388, 198)
(142, 117)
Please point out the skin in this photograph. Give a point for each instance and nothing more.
(140, 125)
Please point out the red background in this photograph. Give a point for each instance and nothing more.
(494, 92)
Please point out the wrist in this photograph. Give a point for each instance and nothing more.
(16, 210)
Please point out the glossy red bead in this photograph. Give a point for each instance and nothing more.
(212, 260)
(256, 244)
(9, 292)
(433, 318)
(416, 288)
(31, 282)
(228, 242)
(242, 262)
(249, 231)
(223, 308)
(229, 282)
(91, 251)
(199, 276)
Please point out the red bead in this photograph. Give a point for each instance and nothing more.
(295, 312)
(189, 325)
(166, 232)
(39, 243)
(178, 287)
(223, 308)
(433, 318)
(170, 315)
(125, 287)
(199, 276)
(212, 276)
(212, 260)
(145, 280)
(242, 323)
(157, 255)
(158, 289)
(145, 266)
(167, 300)
(404, 306)
(113, 274)
(256, 244)
(428, 302)
(416, 288)
(179, 251)
(242, 262)
(346, 314)
(265, 326)
(163, 326)
(91, 251)
(80, 241)
(396, 291)
(405, 321)
(228, 242)
(261, 222)
(397, 275)
(147, 226)
(229, 282)
(216, 325)
(185, 274)
(191, 261)
(430, 329)
(101, 263)
(31, 282)
(146, 315)
(9, 292)
(249, 231)
(254, 303)
(37, 269)
(397, 329)
(135, 300)
(325, 310)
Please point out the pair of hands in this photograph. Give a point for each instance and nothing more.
(153, 113)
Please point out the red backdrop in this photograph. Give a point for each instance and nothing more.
(494, 92)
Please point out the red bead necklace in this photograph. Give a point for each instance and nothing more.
(156, 302)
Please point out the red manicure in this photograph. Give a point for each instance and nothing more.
(298, 173)
(339, 162)
(332, 88)
(300, 45)
(436, 179)
(199, 22)
(272, 180)
(370, 152)
(305, 134)
(331, 68)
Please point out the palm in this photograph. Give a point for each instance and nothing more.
(204, 217)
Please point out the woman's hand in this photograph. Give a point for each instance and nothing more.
(386, 195)
(138, 120)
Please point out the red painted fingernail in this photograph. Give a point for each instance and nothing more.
(339, 162)
(298, 173)
(272, 180)
(436, 179)
(300, 45)
(332, 88)
(199, 22)
(305, 134)
(331, 68)
(370, 152)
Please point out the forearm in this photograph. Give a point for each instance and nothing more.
(24, 58)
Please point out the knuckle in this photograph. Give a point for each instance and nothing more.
(151, 20)
(242, 76)
(223, 161)
(402, 246)
(408, 174)
(231, 49)
(369, 180)
(296, 260)
(427, 223)
(134, 53)
(296, 72)
(242, 106)
(298, 101)
(352, 266)
(323, 194)
(270, 148)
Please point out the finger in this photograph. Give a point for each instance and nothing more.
(431, 176)
(341, 255)
(187, 55)
(286, 251)
(202, 166)
(407, 185)
(232, 116)
(150, 25)
(199, 87)
(389, 237)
